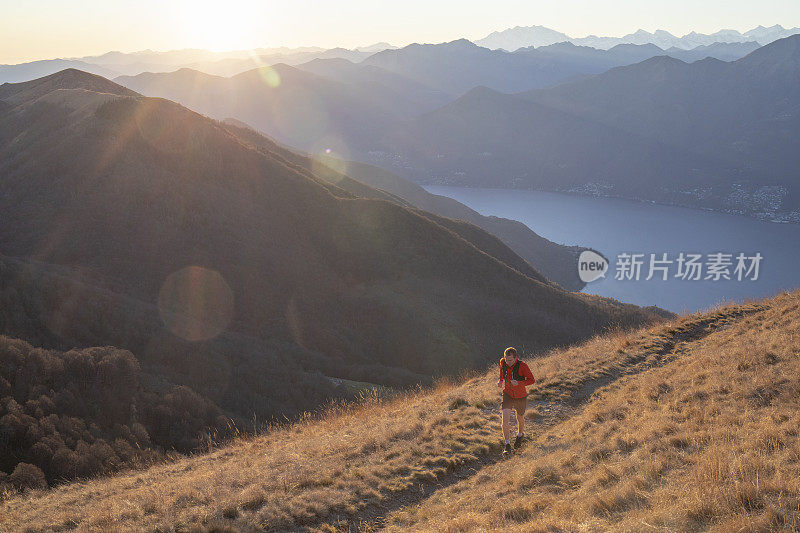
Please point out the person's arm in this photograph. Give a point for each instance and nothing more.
(525, 371)
(502, 377)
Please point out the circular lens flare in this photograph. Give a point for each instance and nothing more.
(329, 159)
(195, 303)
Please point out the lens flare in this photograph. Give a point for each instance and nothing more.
(330, 158)
(270, 76)
(195, 303)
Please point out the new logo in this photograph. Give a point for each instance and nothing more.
(591, 266)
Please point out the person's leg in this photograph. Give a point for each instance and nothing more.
(520, 410)
(506, 413)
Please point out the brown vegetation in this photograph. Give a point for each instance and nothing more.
(76, 414)
(687, 425)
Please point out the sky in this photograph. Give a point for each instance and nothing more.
(45, 29)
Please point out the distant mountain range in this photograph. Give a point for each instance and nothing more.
(354, 100)
(447, 67)
(464, 114)
(38, 69)
(343, 112)
(459, 66)
(223, 63)
(522, 37)
(630, 121)
(707, 134)
(341, 109)
(113, 64)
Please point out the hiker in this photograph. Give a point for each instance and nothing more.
(514, 377)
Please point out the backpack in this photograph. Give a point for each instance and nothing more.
(514, 370)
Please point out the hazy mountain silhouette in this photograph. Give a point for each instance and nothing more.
(297, 106)
(510, 74)
(459, 66)
(411, 96)
(209, 232)
(522, 37)
(113, 64)
(487, 138)
(236, 65)
(744, 113)
(565, 61)
(649, 130)
(37, 69)
(722, 51)
(218, 63)
(377, 47)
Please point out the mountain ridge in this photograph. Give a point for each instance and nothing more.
(286, 245)
(556, 262)
(303, 114)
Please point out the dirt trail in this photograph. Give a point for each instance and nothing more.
(652, 352)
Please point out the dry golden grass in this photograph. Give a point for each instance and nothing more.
(690, 424)
(351, 457)
(705, 440)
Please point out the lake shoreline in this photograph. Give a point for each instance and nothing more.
(787, 217)
(614, 226)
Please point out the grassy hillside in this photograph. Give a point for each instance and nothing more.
(687, 425)
(230, 272)
(556, 262)
(133, 190)
(314, 113)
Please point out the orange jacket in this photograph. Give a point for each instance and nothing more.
(518, 390)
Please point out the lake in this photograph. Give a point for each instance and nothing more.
(613, 226)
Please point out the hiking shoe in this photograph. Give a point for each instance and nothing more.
(519, 440)
(507, 450)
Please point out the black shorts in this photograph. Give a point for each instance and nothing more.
(518, 404)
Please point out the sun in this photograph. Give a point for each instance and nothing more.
(220, 26)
